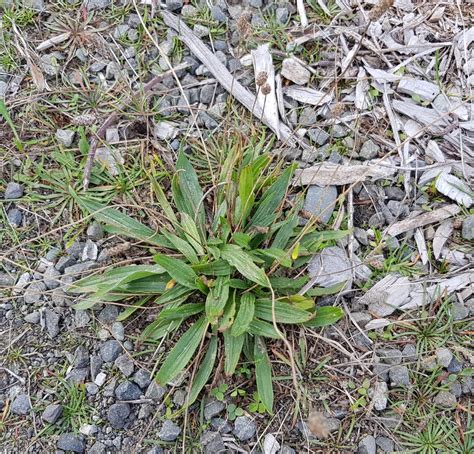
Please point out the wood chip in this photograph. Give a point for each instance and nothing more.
(421, 220)
(307, 95)
(330, 174)
(421, 245)
(442, 234)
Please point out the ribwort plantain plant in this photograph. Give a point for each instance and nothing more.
(227, 268)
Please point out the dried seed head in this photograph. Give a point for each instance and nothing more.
(244, 28)
(337, 110)
(266, 89)
(318, 424)
(261, 78)
(84, 119)
(380, 8)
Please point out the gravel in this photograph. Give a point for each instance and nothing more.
(320, 202)
(444, 356)
(379, 395)
(169, 431)
(117, 415)
(244, 428)
(367, 445)
(142, 378)
(127, 391)
(52, 413)
(110, 350)
(65, 137)
(71, 442)
(467, 231)
(384, 444)
(125, 365)
(445, 399)
(118, 331)
(155, 391)
(399, 376)
(21, 404)
(15, 216)
(13, 191)
(51, 321)
(329, 267)
(213, 408)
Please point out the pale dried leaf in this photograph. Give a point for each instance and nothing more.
(378, 323)
(361, 98)
(37, 76)
(307, 95)
(58, 39)
(421, 245)
(443, 232)
(455, 189)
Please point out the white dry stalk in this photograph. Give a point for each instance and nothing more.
(442, 234)
(302, 13)
(263, 63)
(58, 39)
(421, 245)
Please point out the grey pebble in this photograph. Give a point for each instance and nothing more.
(13, 191)
(125, 365)
(14, 216)
(320, 202)
(92, 389)
(90, 251)
(95, 365)
(97, 4)
(97, 448)
(244, 428)
(155, 450)
(390, 355)
(51, 278)
(459, 311)
(65, 137)
(282, 15)
(81, 318)
(155, 391)
(52, 413)
(217, 14)
(71, 442)
(95, 231)
(118, 331)
(444, 356)
(108, 314)
(78, 375)
(127, 391)
(369, 150)
(454, 366)
(169, 431)
(384, 444)
(445, 399)
(110, 350)
(33, 317)
(213, 408)
(142, 378)
(399, 376)
(34, 292)
(221, 425)
(467, 231)
(117, 415)
(51, 320)
(64, 262)
(21, 404)
(367, 445)
(81, 357)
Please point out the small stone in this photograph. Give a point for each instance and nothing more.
(169, 431)
(118, 331)
(112, 134)
(287, 450)
(142, 378)
(81, 319)
(244, 428)
(92, 389)
(110, 350)
(390, 355)
(174, 5)
(125, 365)
(121, 30)
(379, 395)
(127, 391)
(88, 429)
(13, 191)
(339, 131)
(34, 292)
(71, 442)
(459, 311)
(385, 444)
(117, 415)
(97, 4)
(33, 317)
(217, 14)
(179, 397)
(14, 216)
(367, 445)
(399, 376)
(65, 262)
(394, 193)
(445, 399)
(467, 231)
(51, 278)
(293, 70)
(65, 137)
(51, 320)
(320, 202)
(331, 266)
(6, 280)
(78, 375)
(155, 391)
(108, 314)
(213, 408)
(155, 450)
(165, 130)
(97, 448)
(90, 251)
(270, 444)
(21, 405)
(81, 357)
(100, 378)
(113, 69)
(201, 31)
(454, 366)
(52, 413)
(318, 136)
(95, 231)
(282, 15)
(221, 425)
(369, 150)
(409, 353)
(49, 64)
(444, 356)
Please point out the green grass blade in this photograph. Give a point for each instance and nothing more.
(233, 349)
(244, 315)
(263, 372)
(180, 271)
(180, 313)
(6, 116)
(191, 232)
(204, 372)
(132, 309)
(246, 194)
(182, 352)
(244, 264)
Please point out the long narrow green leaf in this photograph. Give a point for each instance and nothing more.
(151, 285)
(180, 271)
(263, 372)
(217, 299)
(163, 201)
(285, 232)
(182, 246)
(191, 233)
(284, 312)
(177, 313)
(272, 199)
(182, 352)
(132, 309)
(216, 268)
(244, 264)
(177, 293)
(261, 328)
(325, 315)
(244, 315)
(6, 116)
(204, 372)
(187, 192)
(246, 194)
(126, 225)
(320, 291)
(232, 349)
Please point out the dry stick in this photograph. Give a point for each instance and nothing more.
(114, 117)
